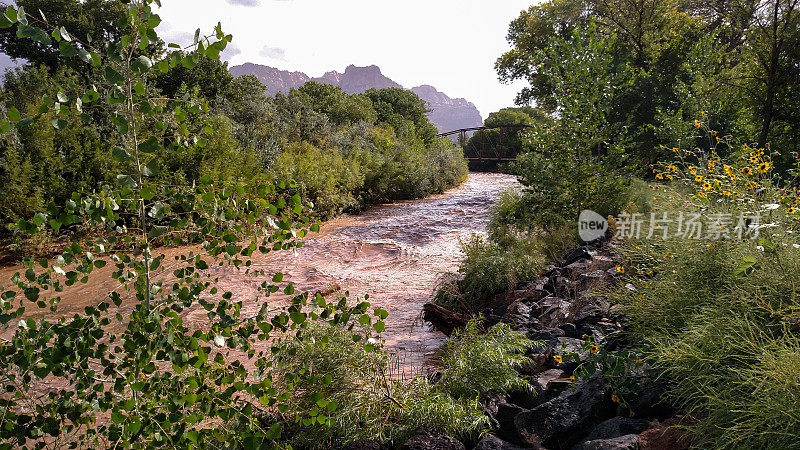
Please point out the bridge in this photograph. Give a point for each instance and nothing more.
(486, 143)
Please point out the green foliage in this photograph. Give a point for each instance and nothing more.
(246, 134)
(326, 178)
(576, 161)
(728, 342)
(741, 60)
(98, 19)
(719, 318)
(487, 270)
(210, 76)
(474, 361)
(623, 370)
(505, 143)
(404, 111)
(369, 405)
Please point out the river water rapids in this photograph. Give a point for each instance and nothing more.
(397, 253)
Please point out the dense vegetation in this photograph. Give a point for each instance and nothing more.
(123, 142)
(134, 144)
(699, 100)
(344, 151)
(506, 142)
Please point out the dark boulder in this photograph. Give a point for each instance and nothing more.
(562, 421)
(616, 427)
(501, 414)
(549, 334)
(650, 402)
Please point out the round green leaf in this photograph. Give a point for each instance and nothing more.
(59, 124)
(120, 154)
(141, 64)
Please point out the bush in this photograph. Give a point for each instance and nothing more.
(488, 270)
(368, 404)
(475, 362)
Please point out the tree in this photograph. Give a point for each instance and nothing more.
(343, 109)
(404, 111)
(504, 143)
(210, 76)
(97, 21)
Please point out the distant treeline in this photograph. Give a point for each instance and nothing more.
(344, 151)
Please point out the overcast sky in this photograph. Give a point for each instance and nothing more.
(450, 44)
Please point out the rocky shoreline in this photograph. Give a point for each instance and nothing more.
(562, 309)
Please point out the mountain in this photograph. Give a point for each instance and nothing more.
(356, 80)
(446, 113)
(275, 80)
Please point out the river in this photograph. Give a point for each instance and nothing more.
(397, 253)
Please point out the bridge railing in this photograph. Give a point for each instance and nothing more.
(482, 150)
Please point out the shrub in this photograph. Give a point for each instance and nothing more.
(368, 404)
(488, 270)
(475, 362)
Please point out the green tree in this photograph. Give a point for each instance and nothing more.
(404, 111)
(341, 108)
(209, 75)
(98, 20)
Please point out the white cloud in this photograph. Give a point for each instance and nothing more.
(230, 51)
(244, 2)
(275, 53)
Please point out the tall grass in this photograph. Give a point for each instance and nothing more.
(371, 405)
(727, 338)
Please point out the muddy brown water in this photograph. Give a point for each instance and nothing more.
(397, 253)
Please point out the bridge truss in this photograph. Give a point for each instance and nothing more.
(489, 144)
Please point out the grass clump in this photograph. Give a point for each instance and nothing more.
(489, 269)
(341, 391)
(728, 341)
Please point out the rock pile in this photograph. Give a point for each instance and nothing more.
(560, 309)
